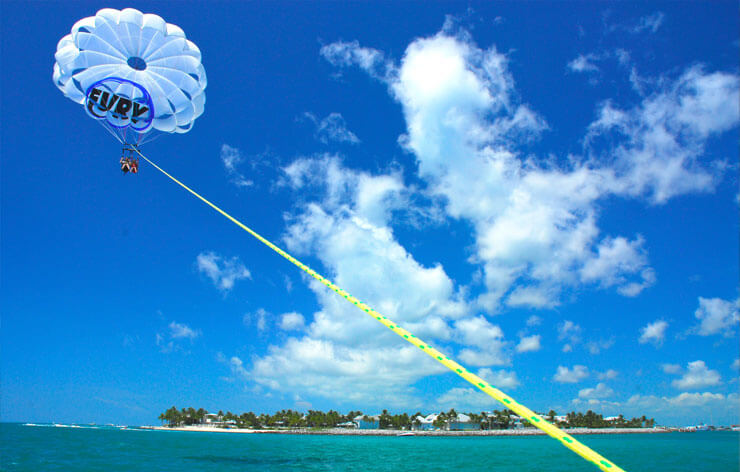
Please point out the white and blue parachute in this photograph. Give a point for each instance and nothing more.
(133, 72)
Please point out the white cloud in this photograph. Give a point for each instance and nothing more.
(377, 376)
(232, 158)
(178, 330)
(583, 63)
(686, 408)
(535, 221)
(697, 376)
(292, 321)
(222, 272)
(617, 257)
(653, 333)
(671, 368)
(258, 319)
(529, 344)
(346, 54)
(595, 347)
(344, 353)
(503, 379)
(649, 23)
(569, 332)
(465, 399)
(608, 375)
(660, 140)
(533, 225)
(534, 320)
(566, 375)
(488, 338)
(236, 366)
(332, 128)
(716, 316)
(170, 341)
(736, 364)
(600, 391)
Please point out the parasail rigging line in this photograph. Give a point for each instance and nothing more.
(538, 421)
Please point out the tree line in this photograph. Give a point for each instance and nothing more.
(498, 419)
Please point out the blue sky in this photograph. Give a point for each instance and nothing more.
(547, 192)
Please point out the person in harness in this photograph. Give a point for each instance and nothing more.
(128, 162)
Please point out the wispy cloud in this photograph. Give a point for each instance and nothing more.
(170, 340)
(232, 160)
(331, 128)
(224, 273)
(583, 63)
(178, 331)
(649, 23)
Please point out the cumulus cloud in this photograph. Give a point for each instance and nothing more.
(347, 228)
(616, 257)
(534, 320)
(505, 379)
(469, 399)
(600, 391)
(697, 376)
(465, 399)
(292, 321)
(330, 369)
(716, 316)
(534, 219)
(574, 375)
(661, 139)
(223, 272)
(332, 128)
(529, 344)
(535, 223)
(686, 408)
(653, 333)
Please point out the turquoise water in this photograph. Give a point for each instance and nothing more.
(26, 448)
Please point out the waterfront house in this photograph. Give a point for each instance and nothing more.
(463, 422)
(372, 422)
(424, 423)
(213, 419)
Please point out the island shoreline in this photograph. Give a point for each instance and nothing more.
(403, 433)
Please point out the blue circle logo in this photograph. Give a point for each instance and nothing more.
(121, 102)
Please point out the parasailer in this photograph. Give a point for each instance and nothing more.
(135, 74)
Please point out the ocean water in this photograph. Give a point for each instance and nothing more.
(29, 448)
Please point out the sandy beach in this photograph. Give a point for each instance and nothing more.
(393, 432)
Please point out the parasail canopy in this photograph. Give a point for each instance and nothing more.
(133, 72)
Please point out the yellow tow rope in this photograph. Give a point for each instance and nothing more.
(553, 431)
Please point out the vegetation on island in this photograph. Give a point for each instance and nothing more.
(497, 419)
